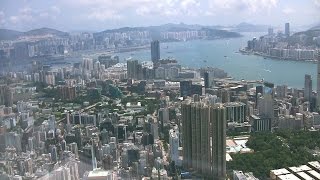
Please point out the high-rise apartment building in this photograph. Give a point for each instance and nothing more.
(6, 96)
(204, 138)
(318, 80)
(307, 87)
(155, 50)
(134, 70)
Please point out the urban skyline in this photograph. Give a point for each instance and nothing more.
(169, 102)
(97, 15)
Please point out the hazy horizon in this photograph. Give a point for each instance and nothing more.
(97, 15)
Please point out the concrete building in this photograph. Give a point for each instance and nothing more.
(287, 29)
(204, 145)
(307, 87)
(260, 123)
(174, 146)
(236, 112)
(318, 81)
(155, 51)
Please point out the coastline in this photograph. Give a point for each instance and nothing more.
(245, 52)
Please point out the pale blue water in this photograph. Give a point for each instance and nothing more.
(249, 67)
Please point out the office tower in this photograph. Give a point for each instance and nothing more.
(282, 91)
(270, 31)
(155, 51)
(266, 104)
(174, 145)
(208, 79)
(236, 112)
(307, 87)
(185, 88)
(287, 30)
(260, 123)
(259, 90)
(202, 123)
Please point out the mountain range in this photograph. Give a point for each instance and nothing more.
(7, 34)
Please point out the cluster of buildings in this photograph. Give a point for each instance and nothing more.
(279, 46)
(151, 120)
(54, 45)
(309, 171)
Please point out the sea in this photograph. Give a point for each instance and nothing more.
(224, 54)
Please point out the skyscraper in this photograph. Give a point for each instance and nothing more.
(318, 80)
(202, 123)
(174, 145)
(6, 96)
(287, 29)
(132, 69)
(185, 88)
(307, 87)
(218, 125)
(155, 50)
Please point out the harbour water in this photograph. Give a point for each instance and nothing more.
(224, 54)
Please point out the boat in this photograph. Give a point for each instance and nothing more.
(225, 56)
(205, 61)
(264, 58)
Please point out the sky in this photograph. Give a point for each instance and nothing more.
(98, 15)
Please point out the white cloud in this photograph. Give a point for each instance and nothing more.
(55, 9)
(2, 18)
(104, 14)
(288, 10)
(317, 2)
(251, 6)
(30, 15)
(142, 7)
(25, 15)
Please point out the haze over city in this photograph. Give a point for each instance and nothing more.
(159, 89)
(97, 15)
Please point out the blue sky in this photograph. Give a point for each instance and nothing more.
(97, 15)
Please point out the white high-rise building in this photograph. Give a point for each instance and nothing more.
(174, 145)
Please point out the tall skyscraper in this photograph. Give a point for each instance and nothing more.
(202, 123)
(218, 124)
(307, 87)
(174, 145)
(318, 80)
(287, 29)
(208, 79)
(155, 50)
